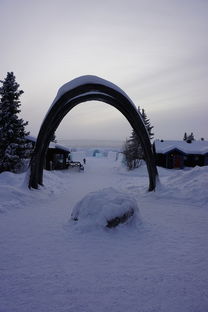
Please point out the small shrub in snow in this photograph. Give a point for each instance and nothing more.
(106, 208)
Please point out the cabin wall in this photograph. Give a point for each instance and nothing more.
(206, 160)
(176, 160)
(56, 159)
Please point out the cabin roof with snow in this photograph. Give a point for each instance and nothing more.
(58, 146)
(52, 145)
(195, 147)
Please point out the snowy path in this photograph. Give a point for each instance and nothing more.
(45, 265)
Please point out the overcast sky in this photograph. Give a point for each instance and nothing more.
(155, 50)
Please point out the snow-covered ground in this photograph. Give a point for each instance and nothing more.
(48, 263)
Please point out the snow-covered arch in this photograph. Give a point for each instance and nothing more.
(82, 89)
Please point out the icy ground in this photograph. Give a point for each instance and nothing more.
(47, 264)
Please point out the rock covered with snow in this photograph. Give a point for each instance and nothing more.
(106, 208)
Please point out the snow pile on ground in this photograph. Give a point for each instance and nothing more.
(112, 155)
(189, 185)
(141, 171)
(98, 208)
(120, 157)
(15, 194)
(78, 156)
(12, 191)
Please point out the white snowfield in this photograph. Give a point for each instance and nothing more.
(49, 264)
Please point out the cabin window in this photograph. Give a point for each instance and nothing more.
(60, 157)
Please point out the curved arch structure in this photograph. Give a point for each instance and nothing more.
(82, 89)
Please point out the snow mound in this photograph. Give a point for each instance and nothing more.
(11, 179)
(105, 208)
(112, 155)
(188, 185)
(78, 156)
(13, 193)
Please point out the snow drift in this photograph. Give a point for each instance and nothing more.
(188, 185)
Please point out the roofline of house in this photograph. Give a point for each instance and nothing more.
(52, 145)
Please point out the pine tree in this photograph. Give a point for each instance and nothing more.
(185, 136)
(146, 122)
(14, 148)
(189, 138)
(133, 151)
(128, 154)
(53, 138)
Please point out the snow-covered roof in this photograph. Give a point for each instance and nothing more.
(61, 147)
(195, 147)
(51, 145)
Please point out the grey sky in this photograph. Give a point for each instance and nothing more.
(156, 51)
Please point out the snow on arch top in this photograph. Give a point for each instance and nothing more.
(88, 79)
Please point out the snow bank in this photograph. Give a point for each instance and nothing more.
(141, 171)
(112, 155)
(15, 194)
(12, 192)
(189, 185)
(97, 208)
(120, 157)
(78, 156)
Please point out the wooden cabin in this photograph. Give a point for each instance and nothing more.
(57, 156)
(180, 154)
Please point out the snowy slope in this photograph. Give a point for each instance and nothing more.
(48, 264)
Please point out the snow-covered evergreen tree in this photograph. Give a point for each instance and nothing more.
(132, 149)
(53, 138)
(128, 155)
(14, 148)
(146, 122)
(189, 138)
(185, 136)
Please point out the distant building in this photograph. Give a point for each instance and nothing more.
(180, 154)
(57, 156)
